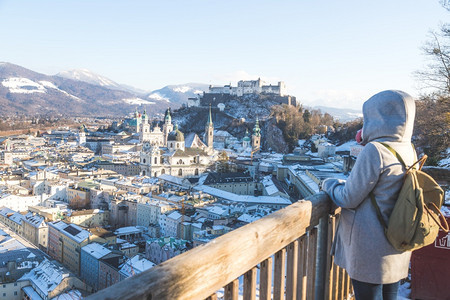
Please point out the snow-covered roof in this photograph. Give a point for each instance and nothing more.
(218, 210)
(269, 186)
(69, 295)
(46, 277)
(135, 265)
(31, 293)
(175, 215)
(248, 218)
(172, 179)
(243, 198)
(35, 221)
(96, 250)
(17, 218)
(70, 230)
(127, 245)
(127, 230)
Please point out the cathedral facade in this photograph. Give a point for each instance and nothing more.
(167, 151)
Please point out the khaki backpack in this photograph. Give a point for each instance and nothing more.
(416, 217)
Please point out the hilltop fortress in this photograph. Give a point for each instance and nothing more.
(244, 88)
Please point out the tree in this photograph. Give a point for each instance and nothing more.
(432, 126)
(432, 123)
(437, 74)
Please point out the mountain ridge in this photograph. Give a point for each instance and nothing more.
(25, 91)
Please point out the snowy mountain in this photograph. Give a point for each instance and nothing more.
(84, 92)
(29, 92)
(341, 114)
(177, 95)
(89, 77)
(96, 79)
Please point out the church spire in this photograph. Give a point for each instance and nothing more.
(256, 137)
(209, 131)
(209, 117)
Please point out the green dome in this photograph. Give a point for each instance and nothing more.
(176, 135)
(168, 117)
(246, 137)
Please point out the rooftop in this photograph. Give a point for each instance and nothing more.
(135, 265)
(70, 230)
(214, 178)
(127, 230)
(96, 250)
(46, 277)
(243, 198)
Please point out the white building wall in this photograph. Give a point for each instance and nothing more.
(20, 203)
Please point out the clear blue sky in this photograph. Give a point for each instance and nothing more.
(334, 53)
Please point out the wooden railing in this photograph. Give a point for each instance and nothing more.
(289, 249)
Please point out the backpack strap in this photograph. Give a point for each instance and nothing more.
(372, 196)
(400, 159)
(377, 209)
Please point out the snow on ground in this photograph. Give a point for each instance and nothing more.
(445, 163)
(48, 84)
(346, 146)
(159, 97)
(137, 101)
(182, 89)
(22, 85)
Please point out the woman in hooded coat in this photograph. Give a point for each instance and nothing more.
(360, 245)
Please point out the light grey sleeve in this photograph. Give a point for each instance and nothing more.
(363, 178)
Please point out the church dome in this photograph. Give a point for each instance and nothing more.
(176, 135)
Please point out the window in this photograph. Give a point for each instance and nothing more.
(15, 293)
(15, 283)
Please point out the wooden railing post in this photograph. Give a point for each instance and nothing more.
(322, 256)
(250, 284)
(311, 270)
(291, 275)
(302, 264)
(232, 290)
(330, 260)
(280, 270)
(265, 280)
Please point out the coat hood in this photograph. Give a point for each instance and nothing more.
(389, 116)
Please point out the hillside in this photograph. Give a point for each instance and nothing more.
(28, 92)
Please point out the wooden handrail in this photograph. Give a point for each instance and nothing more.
(202, 271)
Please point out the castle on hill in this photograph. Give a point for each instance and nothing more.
(245, 88)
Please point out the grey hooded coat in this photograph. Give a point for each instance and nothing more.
(360, 245)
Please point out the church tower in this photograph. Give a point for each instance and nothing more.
(246, 140)
(209, 131)
(167, 127)
(144, 134)
(256, 137)
(82, 135)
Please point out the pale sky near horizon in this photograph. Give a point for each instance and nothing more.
(333, 53)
